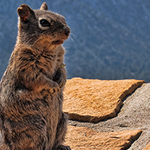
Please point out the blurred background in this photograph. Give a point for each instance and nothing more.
(110, 39)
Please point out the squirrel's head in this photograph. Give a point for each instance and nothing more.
(41, 24)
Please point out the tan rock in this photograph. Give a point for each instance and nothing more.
(95, 100)
(82, 138)
(147, 147)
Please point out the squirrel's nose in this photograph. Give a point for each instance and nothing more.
(67, 31)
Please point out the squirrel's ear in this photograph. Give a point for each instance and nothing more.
(24, 12)
(44, 6)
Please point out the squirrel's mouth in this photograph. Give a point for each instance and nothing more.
(58, 42)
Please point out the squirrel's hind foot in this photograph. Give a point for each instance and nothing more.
(62, 147)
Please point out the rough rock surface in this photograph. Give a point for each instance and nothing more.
(95, 100)
(147, 147)
(134, 115)
(86, 138)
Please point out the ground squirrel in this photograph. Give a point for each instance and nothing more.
(31, 116)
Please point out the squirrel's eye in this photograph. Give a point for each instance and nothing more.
(45, 23)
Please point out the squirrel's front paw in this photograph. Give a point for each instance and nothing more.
(61, 83)
(60, 78)
(55, 88)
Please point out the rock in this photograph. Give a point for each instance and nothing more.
(85, 138)
(135, 114)
(95, 100)
(147, 147)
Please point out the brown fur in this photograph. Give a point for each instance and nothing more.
(31, 116)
